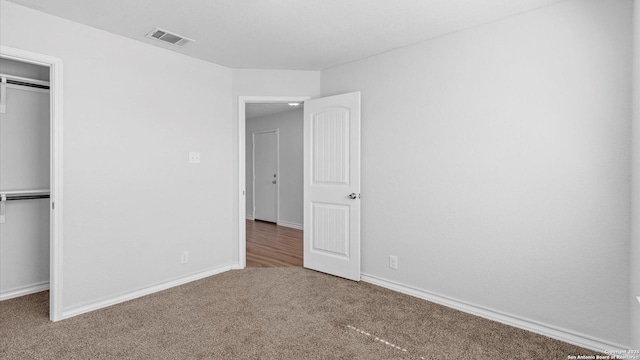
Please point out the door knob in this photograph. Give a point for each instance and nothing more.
(353, 196)
(273, 182)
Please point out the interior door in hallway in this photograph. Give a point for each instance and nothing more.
(332, 185)
(265, 180)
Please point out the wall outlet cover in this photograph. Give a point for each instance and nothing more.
(393, 262)
(194, 157)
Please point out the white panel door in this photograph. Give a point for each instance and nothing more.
(332, 185)
(265, 165)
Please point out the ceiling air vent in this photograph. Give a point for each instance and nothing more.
(169, 37)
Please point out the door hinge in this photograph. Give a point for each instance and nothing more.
(53, 205)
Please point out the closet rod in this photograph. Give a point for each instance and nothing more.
(20, 195)
(24, 195)
(18, 80)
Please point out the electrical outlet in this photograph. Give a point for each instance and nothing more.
(194, 157)
(393, 262)
(185, 257)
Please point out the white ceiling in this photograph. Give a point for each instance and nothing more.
(286, 34)
(254, 111)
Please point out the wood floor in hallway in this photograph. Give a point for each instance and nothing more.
(270, 245)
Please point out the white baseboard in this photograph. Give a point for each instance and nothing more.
(250, 217)
(139, 293)
(290, 225)
(25, 290)
(551, 331)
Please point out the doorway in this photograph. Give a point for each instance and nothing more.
(274, 184)
(331, 182)
(31, 96)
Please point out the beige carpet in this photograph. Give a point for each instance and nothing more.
(286, 313)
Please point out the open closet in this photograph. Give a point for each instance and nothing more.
(24, 178)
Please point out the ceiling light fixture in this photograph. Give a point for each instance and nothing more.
(294, 104)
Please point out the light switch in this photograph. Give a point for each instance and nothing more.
(194, 157)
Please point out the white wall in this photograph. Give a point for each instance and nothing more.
(277, 83)
(259, 82)
(291, 163)
(496, 165)
(132, 112)
(635, 218)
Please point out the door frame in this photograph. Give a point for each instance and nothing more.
(253, 169)
(242, 211)
(55, 162)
